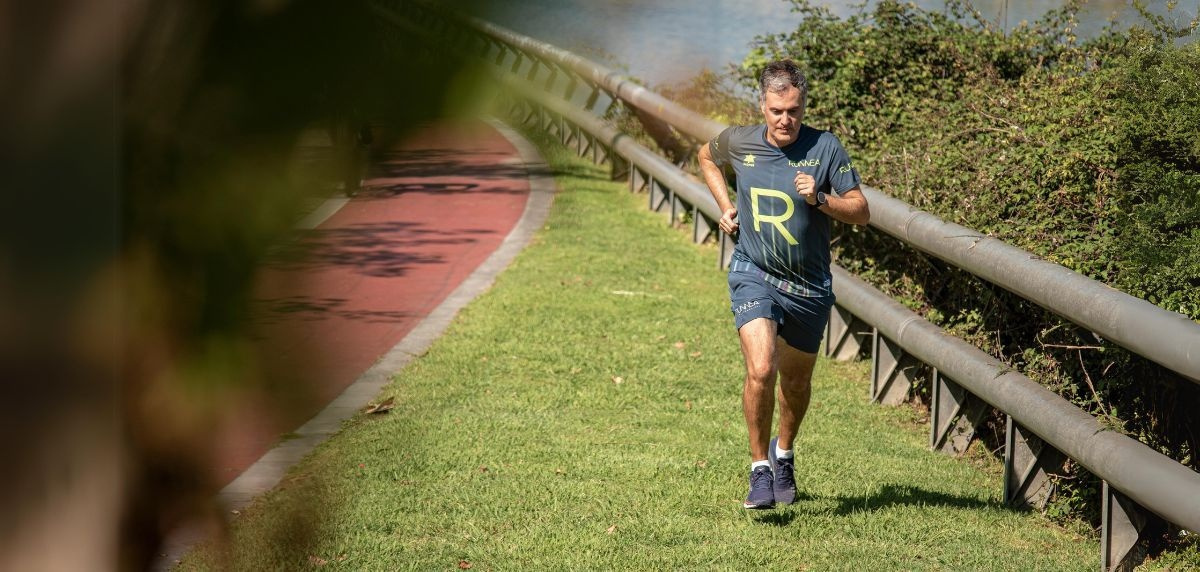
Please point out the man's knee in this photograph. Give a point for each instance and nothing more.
(760, 374)
(796, 383)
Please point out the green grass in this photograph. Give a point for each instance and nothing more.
(585, 414)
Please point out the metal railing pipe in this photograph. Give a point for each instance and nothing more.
(1154, 480)
(1165, 337)
(686, 188)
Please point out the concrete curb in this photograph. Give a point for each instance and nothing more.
(266, 473)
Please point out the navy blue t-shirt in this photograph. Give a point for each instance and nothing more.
(778, 231)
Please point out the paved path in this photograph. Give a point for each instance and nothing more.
(346, 292)
(371, 284)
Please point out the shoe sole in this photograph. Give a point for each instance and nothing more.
(748, 506)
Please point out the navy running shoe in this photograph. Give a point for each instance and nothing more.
(784, 486)
(761, 495)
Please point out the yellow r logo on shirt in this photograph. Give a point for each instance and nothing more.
(776, 220)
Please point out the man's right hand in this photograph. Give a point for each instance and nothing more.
(728, 222)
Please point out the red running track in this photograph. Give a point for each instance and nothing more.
(336, 300)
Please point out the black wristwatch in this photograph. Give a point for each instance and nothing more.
(822, 198)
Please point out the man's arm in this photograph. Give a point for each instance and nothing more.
(851, 207)
(715, 180)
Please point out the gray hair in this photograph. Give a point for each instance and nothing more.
(778, 75)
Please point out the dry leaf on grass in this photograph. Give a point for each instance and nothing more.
(618, 380)
(680, 345)
(381, 407)
(464, 565)
(611, 529)
(317, 561)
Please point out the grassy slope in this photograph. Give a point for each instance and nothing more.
(585, 413)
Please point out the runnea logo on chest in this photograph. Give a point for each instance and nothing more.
(756, 194)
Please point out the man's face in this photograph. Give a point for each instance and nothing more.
(783, 112)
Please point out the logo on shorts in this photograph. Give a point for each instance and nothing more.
(746, 306)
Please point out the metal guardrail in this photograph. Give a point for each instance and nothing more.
(1167, 338)
(1041, 427)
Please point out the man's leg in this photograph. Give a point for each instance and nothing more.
(758, 399)
(795, 390)
(758, 405)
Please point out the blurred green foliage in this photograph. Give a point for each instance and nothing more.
(216, 97)
(218, 100)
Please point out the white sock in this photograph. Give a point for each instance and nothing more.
(782, 454)
(757, 464)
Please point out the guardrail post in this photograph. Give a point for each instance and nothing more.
(553, 77)
(727, 246)
(637, 179)
(534, 64)
(525, 112)
(1122, 522)
(891, 371)
(571, 138)
(549, 124)
(1028, 463)
(701, 227)
(553, 126)
(620, 165)
(678, 208)
(536, 116)
(586, 144)
(953, 415)
(571, 85)
(845, 335)
(599, 154)
(591, 100)
(658, 195)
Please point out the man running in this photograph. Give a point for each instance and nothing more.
(791, 179)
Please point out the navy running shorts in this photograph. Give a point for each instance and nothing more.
(801, 319)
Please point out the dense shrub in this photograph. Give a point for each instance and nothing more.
(1086, 153)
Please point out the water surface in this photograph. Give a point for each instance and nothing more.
(664, 41)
